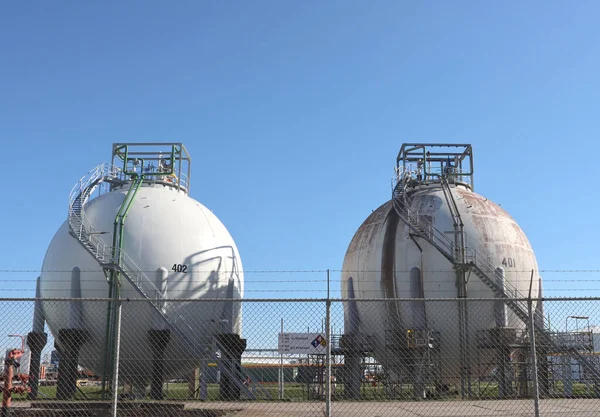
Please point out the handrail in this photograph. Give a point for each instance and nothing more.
(411, 173)
(444, 242)
(472, 254)
(475, 259)
(81, 227)
(101, 171)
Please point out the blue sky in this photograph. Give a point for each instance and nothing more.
(293, 113)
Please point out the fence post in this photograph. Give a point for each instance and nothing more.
(536, 391)
(328, 355)
(115, 381)
(281, 373)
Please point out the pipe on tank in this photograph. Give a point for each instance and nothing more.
(388, 272)
(538, 316)
(75, 305)
(500, 306)
(160, 281)
(39, 318)
(351, 324)
(227, 315)
(418, 307)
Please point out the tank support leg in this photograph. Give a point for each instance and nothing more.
(523, 355)
(159, 339)
(231, 358)
(69, 343)
(418, 379)
(353, 344)
(194, 382)
(504, 380)
(36, 342)
(543, 370)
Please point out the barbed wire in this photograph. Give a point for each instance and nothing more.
(320, 281)
(283, 290)
(290, 271)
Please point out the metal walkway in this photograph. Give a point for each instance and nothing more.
(117, 260)
(475, 262)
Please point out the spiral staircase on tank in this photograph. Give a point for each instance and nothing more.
(474, 261)
(82, 230)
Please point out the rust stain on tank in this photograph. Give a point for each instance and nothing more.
(366, 233)
(488, 217)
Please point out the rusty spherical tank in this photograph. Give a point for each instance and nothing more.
(386, 259)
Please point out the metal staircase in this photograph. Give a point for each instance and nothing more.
(481, 267)
(117, 260)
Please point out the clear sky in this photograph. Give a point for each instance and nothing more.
(294, 112)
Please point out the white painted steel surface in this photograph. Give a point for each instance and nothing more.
(163, 228)
(488, 228)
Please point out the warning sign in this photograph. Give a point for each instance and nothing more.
(307, 343)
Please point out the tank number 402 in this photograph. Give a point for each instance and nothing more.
(179, 268)
(509, 262)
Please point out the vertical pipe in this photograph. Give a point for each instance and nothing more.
(281, 379)
(500, 343)
(106, 375)
(388, 268)
(328, 355)
(179, 166)
(465, 378)
(8, 378)
(38, 313)
(115, 379)
(75, 308)
(160, 281)
(539, 307)
(500, 306)
(471, 168)
(417, 307)
(227, 316)
(351, 324)
(536, 391)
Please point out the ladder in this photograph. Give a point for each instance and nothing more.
(83, 231)
(483, 269)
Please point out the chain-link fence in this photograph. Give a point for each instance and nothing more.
(341, 357)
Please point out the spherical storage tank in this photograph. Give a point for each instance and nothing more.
(387, 258)
(172, 247)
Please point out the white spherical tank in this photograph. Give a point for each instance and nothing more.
(184, 252)
(386, 259)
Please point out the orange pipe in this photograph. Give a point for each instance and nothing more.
(9, 373)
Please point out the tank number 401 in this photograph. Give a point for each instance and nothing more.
(179, 268)
(509, 262)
